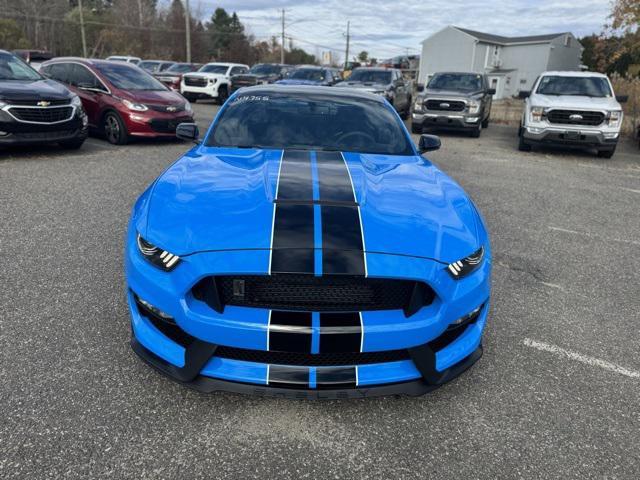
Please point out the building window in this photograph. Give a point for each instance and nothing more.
(523, 81)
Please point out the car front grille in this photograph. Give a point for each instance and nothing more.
(168, 126)
(446, 105)
(42, 115)
(331, 293)
(52, 135)
(575, 117)
(195, 81)
(167, 108)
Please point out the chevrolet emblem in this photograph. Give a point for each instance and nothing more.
(43, 103)
(171, 109)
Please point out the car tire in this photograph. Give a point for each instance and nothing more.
(485, 122)
(523, 146)
(416, 128)
(476, 132)
(407, 110)
(73, 144)
(223, 94)
(606, 153)
(114, 129)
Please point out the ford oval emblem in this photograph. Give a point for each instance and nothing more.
(575, 116)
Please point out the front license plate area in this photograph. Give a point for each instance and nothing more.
(572, 135)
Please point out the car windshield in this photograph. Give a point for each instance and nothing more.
(464, 82)
(14, 68)
(370, 76)
(310, 121)
(580, 86)
(265, 69)
(127, 77)
(313, 74)
(179, 68)
(148, 65)
(219, 69)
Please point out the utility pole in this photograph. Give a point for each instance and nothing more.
(346, 53)
(82, 34)
(282, 46)
(187, 29)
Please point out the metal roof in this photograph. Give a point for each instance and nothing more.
(490, 38)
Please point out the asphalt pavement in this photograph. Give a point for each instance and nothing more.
(556, 394)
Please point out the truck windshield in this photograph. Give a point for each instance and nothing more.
(179, 68)
(217, 69)
(580, 86)
(265, 69)
(464, 82)
(13, 68)
(310, 121)
(367, 76)
(127, 77)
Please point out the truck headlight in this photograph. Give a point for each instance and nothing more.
(158, 257)
(418, 107)
(467, 265)
(615, 118)
(474, 106)
(537, 113)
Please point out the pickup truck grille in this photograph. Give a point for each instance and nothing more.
(195, 81)
(446, 105)
(575, 117)
(42, 115)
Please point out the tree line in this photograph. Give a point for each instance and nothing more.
(135, 27)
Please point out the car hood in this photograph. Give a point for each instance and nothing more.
(154, 97)
(36, 90)
(366, 86)
(204, 75)
(217, 199)
(433, 92)
(294, 81)
(574, 101)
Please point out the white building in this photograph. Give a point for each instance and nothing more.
(512, 63)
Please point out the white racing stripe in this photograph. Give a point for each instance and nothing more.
(355, 199)
(273, 217)
(578, 357)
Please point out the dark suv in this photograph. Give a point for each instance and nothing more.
(454, 100)
(36, 110)
(260, 74)
(387, 82)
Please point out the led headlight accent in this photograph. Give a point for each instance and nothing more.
(467, 265)
(537, 113)
(136, 107)
(158, 257)
(468, 318)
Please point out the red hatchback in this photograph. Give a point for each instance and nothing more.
(121, 100)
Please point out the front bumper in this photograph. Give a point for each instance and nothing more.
(155, 124)
(441, 120)
(571, 137)
(209, 90)
(434, 356)
(13, 132)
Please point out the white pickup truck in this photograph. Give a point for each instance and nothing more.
(572, 109)
(211, 81)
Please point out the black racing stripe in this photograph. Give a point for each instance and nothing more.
(292, 377)
(333, 178)
(341, 231)
(290, 332)
(335, 377)
(341, 241)
(293, 237)
(340, 332)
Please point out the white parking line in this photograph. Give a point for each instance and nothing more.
(594, 236)
(630, 190)
(578, 357)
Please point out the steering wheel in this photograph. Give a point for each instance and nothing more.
(367, 138)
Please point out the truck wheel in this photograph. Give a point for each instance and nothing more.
(523, 146)
(485, 123)
(476, 133)
(606, 153)
(416, 128)
(223, 94)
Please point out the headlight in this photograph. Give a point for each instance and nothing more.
(2, 104)
(467, 265)
(615, 118)
(537, 113)
(158, 257)
(137, 107)
(418, 107)
(188, 108)
(76, 102)
(474, 106)
(212, 80)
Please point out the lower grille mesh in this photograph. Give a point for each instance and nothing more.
(311, 359)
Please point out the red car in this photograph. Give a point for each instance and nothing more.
(121, 100)
(172, 76)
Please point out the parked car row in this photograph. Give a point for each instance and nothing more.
(564, 109)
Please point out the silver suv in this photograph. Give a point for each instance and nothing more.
(571, 109)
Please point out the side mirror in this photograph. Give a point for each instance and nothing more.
(522, 94)
(491, 91)
(428, 143)
(420, 87)
(622, 98)
(188, 132)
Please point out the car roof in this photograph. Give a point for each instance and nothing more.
(458, 73)
(375, 69)
(566, 73)
(88, 61)
(159, 61)
(311, 89)
(226, 64)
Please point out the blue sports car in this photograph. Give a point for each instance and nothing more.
(306, 249)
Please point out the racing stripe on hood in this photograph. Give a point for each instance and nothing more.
(292, 243)
(342, 239)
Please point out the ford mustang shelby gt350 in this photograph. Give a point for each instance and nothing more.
(305, 248)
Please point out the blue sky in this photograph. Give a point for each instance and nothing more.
(391, 27)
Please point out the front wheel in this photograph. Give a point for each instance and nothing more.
(223, 94)
(114, 129)
(416, 128)
(606, 153)
(523, 146)
(476, 133)
(485, 122)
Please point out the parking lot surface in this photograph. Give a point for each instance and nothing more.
(555, 395)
